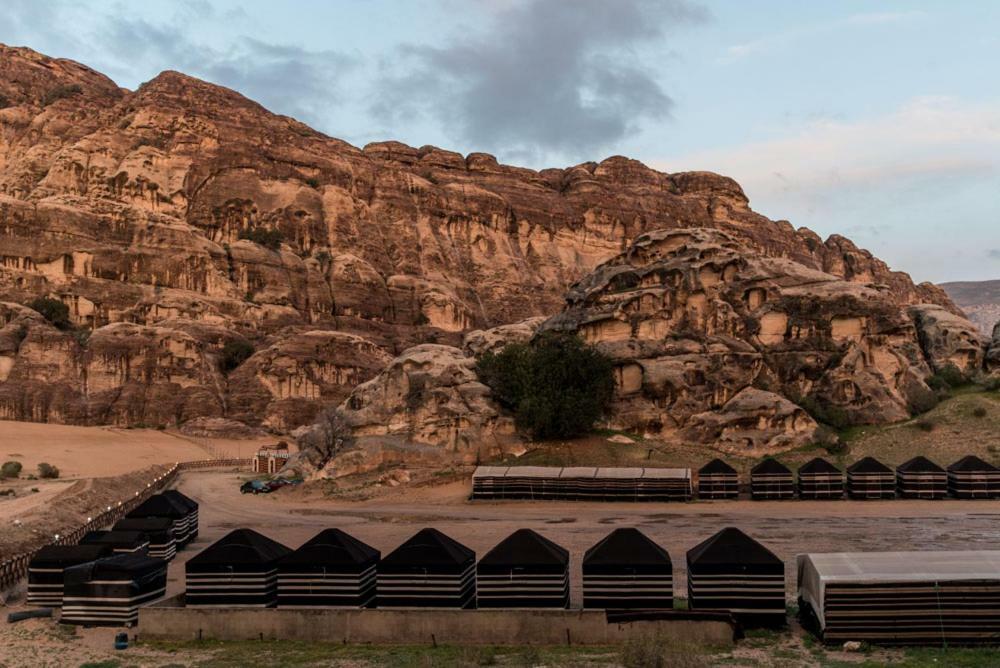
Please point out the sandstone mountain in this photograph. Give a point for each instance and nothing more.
(979, 299)
(181, 217)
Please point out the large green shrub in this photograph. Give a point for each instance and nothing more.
(52, 310)
(557, 386)
(59, 92)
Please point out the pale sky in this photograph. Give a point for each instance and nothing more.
(876, 120)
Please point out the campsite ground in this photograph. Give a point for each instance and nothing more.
(386, 515)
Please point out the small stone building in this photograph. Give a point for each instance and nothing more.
(270, 458)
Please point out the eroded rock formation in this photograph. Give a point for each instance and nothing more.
(181, 216)
(717, 339)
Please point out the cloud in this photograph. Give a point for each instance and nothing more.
(927, 138)
(993, 253)
(547, 77)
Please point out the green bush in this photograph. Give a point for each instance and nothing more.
(979, 412)
(10, 470)
(926, 425)
(557, 386)
(234, 353)
(826, 413)
(263, 236)
(52, 310)
(4, 102)
(47, 471)
(946, 378)
(59, 92)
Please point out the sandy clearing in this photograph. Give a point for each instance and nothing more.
(91, 452)
(788, 528)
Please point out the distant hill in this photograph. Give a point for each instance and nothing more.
(979, 299)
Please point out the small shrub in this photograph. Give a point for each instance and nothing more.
(992, 384)
(59, 92)
(926, 425)
(263, 236)
(313, 182)
(47, 471)
(979, 412)
(557, 385)
(234, 353)
(10, 470)
(4, 102)
(826, 413)
(7, 492)
(52, 310)
(946, 378)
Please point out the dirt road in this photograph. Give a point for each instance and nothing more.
(788, 528)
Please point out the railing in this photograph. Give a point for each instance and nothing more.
(15, 568)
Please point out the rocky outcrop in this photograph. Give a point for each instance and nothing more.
(493, 340)
(715, 340)
(992, 361)
(194, 216)
(948, 339)
(428, 395)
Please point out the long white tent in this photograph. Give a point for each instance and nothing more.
(903, 597)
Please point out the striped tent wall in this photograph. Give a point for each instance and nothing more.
(525, 570)
(238, 570)
(428, 570)
(109, 592)
(47, 570)
(627, 570)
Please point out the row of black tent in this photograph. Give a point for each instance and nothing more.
(868, 478)
(110, 574)
(626, 570)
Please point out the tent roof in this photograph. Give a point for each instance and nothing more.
(770, 465)
(525, 547)
(818, 465)
(115, 537)
(971, 463)
(868, 465)
(430, 547)
(159, 505)
(332, 547)
(626, 546)
(68, 555)
(241, 546)
(919, 464)
(731, 546)
(716, 466)
(181, 498)
(119, 566)
(145, 524)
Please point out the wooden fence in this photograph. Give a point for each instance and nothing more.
(12, 570)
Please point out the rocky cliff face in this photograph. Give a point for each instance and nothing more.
(182, 216)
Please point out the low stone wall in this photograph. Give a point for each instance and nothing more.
(170, 621)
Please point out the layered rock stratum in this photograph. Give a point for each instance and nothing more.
(181, 217)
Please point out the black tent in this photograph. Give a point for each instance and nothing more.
(159, 505)
(819, 479)
(238, 570)
(525, 570)
(332, 568)
(46, 570)
(121, 542)
(718, 480)
(771, 480)
(869, 478)
(972, 478)
(920, 478)
(428, 570)
(191, 519)
(627, 570)
(109, 592)
(162, 543)
(731, 571)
